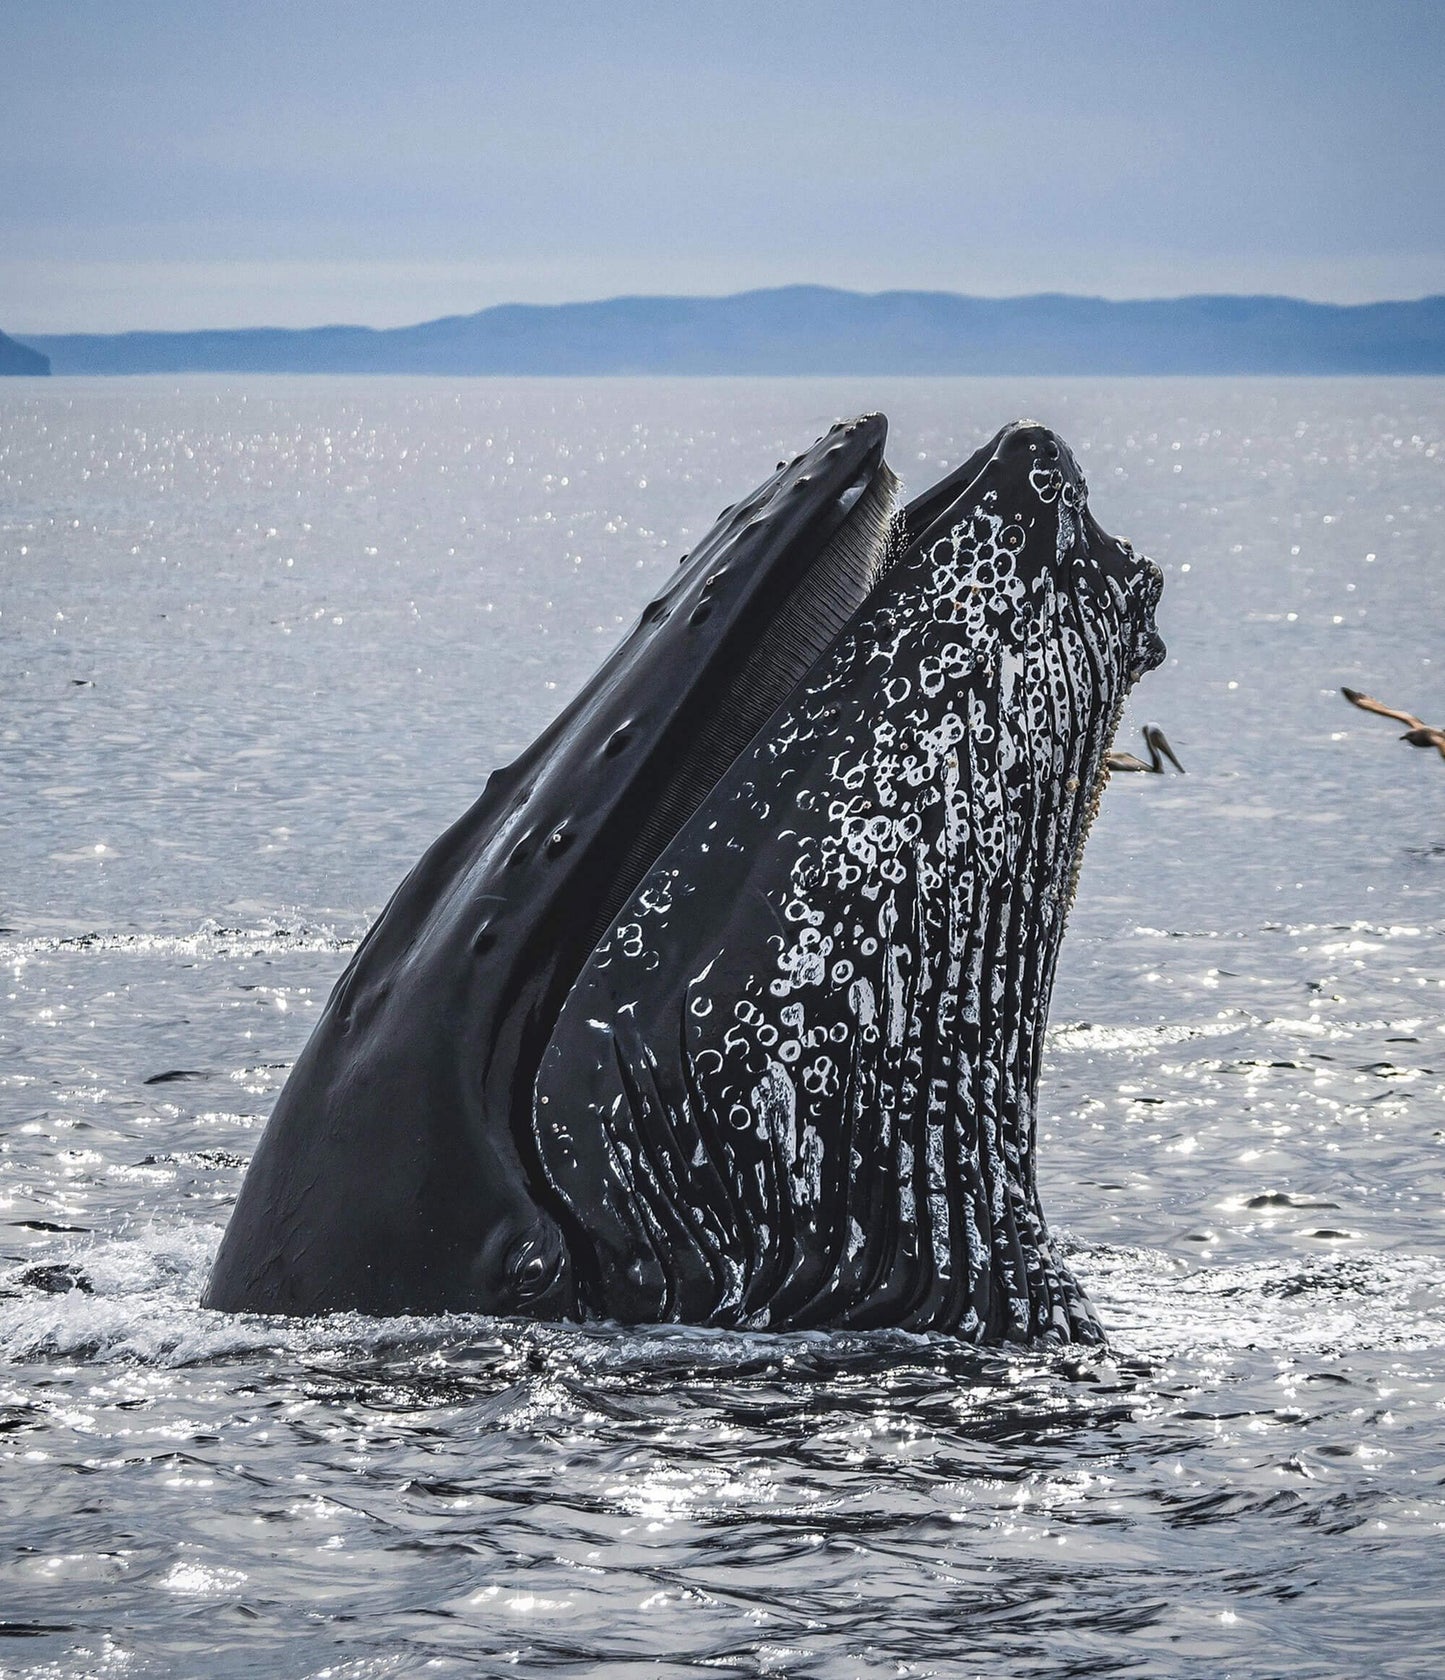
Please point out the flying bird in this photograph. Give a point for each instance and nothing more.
(1159, 750)
(1416, 733)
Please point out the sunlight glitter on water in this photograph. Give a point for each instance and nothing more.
(1241, 1104)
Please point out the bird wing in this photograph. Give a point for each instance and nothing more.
(1367, 704)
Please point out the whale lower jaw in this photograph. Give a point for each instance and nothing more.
(795, 1083)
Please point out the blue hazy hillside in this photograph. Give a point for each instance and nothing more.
(816, 330)
(19, 358)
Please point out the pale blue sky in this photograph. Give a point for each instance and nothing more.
(228, 162)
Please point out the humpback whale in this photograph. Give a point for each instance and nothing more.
(725, 1003)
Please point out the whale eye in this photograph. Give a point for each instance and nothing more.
(532, 1268)
(559, 843)
(617, 741)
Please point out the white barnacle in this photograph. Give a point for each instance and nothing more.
(775, 1102)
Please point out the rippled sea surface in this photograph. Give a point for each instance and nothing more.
(261, 640)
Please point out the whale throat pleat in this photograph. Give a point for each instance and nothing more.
(809, 619)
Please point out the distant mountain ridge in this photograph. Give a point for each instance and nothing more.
(816, 330)
(20, 358)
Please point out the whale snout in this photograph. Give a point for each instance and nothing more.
(1055, 478)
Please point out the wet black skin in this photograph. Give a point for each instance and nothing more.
(394, 1174)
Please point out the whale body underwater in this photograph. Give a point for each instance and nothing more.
(725, 1003)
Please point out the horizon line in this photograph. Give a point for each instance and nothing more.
(20, 335)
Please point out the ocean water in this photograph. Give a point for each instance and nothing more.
(260, 640)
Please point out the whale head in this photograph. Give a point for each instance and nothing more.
(725, 1002)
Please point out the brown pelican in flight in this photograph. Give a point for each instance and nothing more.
(1159, 750)
(1416, 733)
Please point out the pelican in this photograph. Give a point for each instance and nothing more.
(1416, 733)
(1159, 750)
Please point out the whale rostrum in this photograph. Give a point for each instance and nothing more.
(725, 1002)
